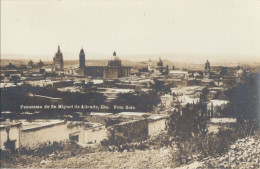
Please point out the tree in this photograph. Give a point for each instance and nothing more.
(188, 122)
(92, 98)
(159, 86)
(244, 105)
(142, 101)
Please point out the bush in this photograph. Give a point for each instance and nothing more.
(5, 154)
(188, 122)
(43, 149)
(210, 145)
(244, 105)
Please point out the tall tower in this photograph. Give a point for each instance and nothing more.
(207, 70)
(58, 61)
(82, 59)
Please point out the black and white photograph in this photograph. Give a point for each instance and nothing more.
(130, 84)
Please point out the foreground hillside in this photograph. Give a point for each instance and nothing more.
(159, 158)
(244, 153)
(138, 159)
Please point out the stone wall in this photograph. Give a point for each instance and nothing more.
(131, 131)
(156, 126)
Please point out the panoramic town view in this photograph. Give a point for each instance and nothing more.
(67, 106)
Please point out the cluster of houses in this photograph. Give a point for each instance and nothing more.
(95, 128)
(185, 87)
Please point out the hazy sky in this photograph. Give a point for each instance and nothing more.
(136, 29)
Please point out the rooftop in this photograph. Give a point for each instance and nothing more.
(90, 125)
(26, 125)
(100, 114)
(178, 72)
(218, 102)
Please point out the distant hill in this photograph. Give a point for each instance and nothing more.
(16, 62)
(103, 62)
(19, 62)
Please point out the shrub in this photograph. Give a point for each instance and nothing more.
(188, 122)
(5, 154)
(199, 147)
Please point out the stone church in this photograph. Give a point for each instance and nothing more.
(113, 70)
(58, 61)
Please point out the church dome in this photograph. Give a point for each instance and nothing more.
(160, 63)
(115, 57)
(82, 51)
(240, 73)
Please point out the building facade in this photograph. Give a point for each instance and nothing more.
(114, 69)
(58, 61)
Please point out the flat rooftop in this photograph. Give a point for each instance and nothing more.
(100, 114)
(90, 125)
(26, 125)
(134, 114)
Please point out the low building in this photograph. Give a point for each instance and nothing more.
(179, 73)
(166, 100)
(10, 134)
(95, 133)
(32, 134)
(133, 115)
(223, 120)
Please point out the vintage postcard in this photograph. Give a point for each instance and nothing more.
(130, 84)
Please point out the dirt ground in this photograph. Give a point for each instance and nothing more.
(72, 156)
(139, 159)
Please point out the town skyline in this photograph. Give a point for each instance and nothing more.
(130, 84)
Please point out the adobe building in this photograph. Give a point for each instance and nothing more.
(113, 70)
(15, 135)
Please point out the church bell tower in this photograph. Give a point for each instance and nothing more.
(82, 59)
(82, 62)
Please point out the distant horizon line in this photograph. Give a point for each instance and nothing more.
(222, 63)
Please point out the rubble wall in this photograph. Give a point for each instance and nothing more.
(156, 126)
(131, 131)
